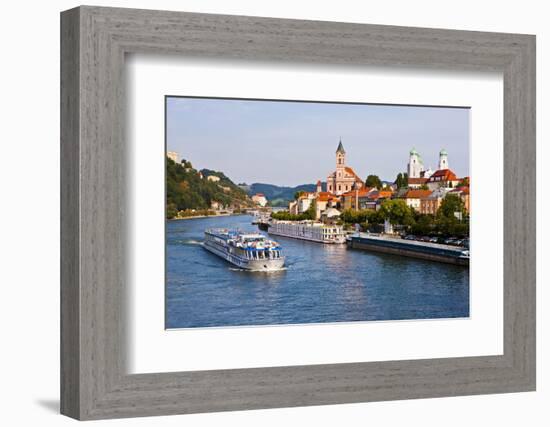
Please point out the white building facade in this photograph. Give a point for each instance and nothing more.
(443, 160)
(415, 167)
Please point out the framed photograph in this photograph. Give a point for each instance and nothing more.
(262, 213)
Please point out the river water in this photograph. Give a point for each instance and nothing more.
(321, 283)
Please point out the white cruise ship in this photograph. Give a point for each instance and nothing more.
(308, 230)
(250, 251)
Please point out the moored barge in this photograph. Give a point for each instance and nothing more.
(414, 249)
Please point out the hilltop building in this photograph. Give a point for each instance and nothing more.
(172, 155)
(302, 204)
(259, 199)
(344, 178)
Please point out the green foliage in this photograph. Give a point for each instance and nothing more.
(185, 190)
(309, 214)
(287, 216)
(451, 203)
(451, 226)
(401, 181)
(423, 225)
(446, 221)
(397, 212)
(363, 216)
(465, 182)
(193, 212)
(373, 181)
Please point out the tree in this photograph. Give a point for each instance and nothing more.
(397, 212)
(451, 204)
(464, 182)
(446, 220)
(424, 225)
(424, 187)
(402, 180)
(373, 181)
(311, 212)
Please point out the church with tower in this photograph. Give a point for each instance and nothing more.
(415, 167)
(344, 178)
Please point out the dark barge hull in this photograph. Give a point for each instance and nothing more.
(431, 252)
(263, 226)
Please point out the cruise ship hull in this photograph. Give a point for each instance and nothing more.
(332, 235)
(233, 256)
(339, 241)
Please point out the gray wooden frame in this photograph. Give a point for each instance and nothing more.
(94, 41)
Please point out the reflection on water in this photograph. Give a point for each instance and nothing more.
(320, 283)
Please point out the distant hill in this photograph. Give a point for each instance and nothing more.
(277, 195)
(185, 189)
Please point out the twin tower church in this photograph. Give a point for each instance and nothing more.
(344, 178)
(415, 167)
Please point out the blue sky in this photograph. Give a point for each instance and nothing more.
(292, 143)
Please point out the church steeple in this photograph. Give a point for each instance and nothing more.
(340, 159)
(340, 148)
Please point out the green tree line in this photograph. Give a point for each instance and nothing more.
(309, 214)
(186, 190)
(444, 223)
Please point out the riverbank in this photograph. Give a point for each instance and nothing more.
(206, 216)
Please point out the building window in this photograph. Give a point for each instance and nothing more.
(339, 187)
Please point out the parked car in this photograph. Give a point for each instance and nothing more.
(434, 239)
(409, 237)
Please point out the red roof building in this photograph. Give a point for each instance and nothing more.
(442, 178)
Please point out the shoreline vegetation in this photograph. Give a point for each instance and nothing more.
(404, 218)
(190, 192)
(202, 214)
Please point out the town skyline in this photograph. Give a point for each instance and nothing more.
(254, 141)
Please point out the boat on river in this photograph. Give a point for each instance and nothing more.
(249, 251)
(414, 249)
(308, 230)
